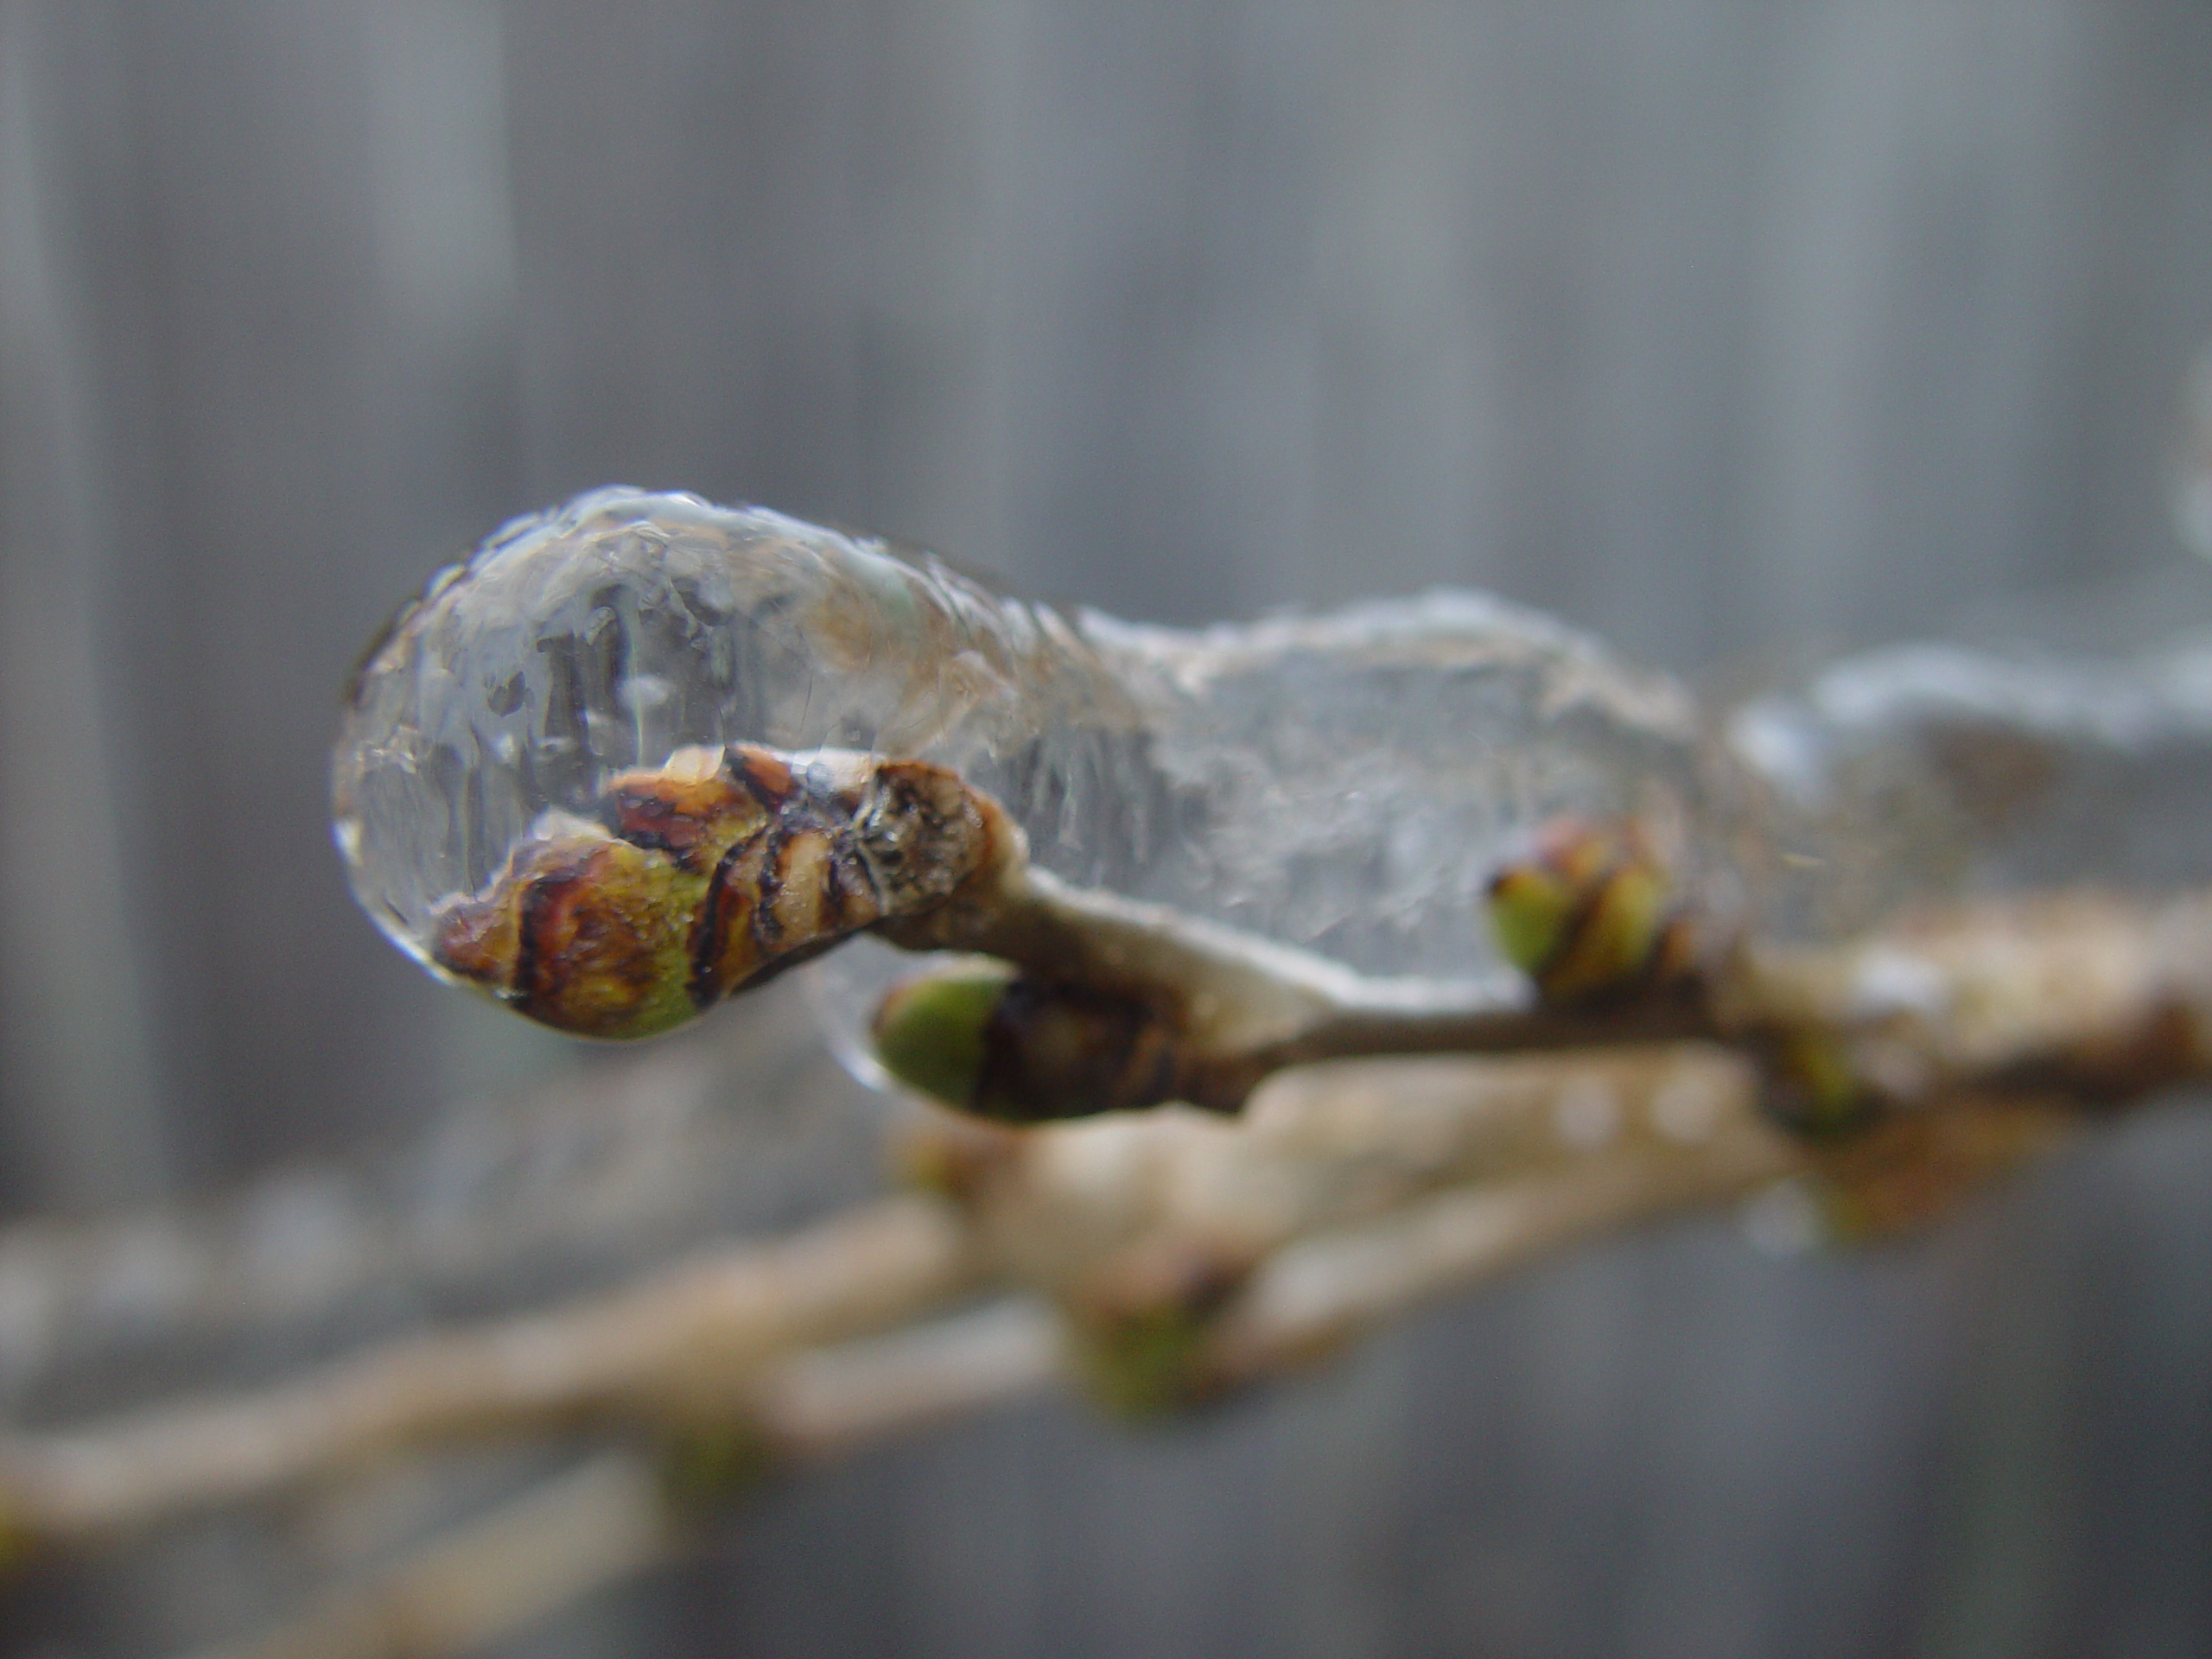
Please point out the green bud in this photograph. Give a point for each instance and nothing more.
(706, 1466)
(1614, 938)
(930, 1033)
(1145, 1329)
(1588, 914)
(1814, 1088)
(1528, 911)
(1147, 1364)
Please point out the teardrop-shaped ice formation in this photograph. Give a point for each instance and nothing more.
(1347, 784)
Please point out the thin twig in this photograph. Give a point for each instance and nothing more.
(1137, 1225)
(594, 1526)
(1314, 1295)
(682, 1341)
(609, 1518)
(1086, 1213)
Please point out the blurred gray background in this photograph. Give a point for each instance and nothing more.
(1737, 331)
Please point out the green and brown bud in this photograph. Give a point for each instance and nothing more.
(707, 874)
(705, 1466)
(982, 1037)
(1588, 914)
(932, 1034)
(585, 933)
(1144, 1327)
(1816, 1087)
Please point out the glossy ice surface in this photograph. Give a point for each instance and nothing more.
(1346, 782)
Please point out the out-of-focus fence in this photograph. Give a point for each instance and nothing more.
(1733, 331)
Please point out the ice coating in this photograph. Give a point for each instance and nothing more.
(1345, 784)
(1351, 783)
(625, 628)
(1920, 771)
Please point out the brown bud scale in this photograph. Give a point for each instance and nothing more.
(707, 874)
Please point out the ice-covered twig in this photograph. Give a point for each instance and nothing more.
(718, 871)
(642, 751)
(2088, 992)
(1118, 1006)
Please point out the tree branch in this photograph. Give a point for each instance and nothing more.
(678, 1342)
(1179, 1253)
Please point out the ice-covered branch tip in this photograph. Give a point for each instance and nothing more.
(643, 752)
(718, 870)
(2083, 996)
(1089, 1004)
